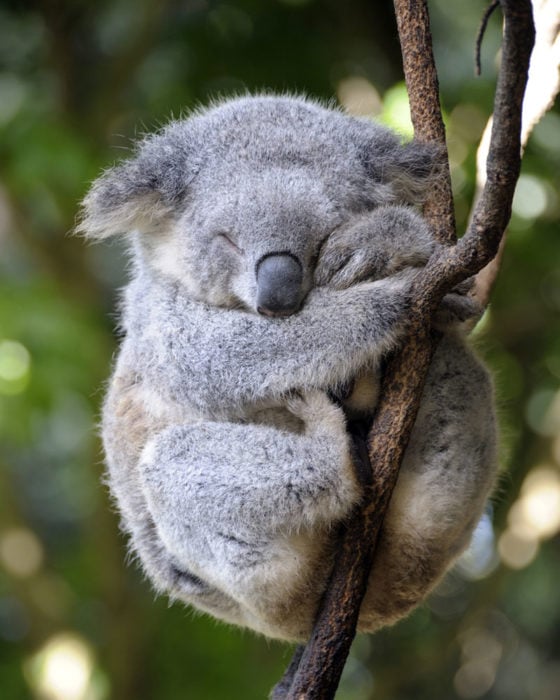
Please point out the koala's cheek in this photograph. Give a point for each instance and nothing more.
(221, 277)
(165, 255)
(244, 288)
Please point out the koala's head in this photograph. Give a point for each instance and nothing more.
(235, 202)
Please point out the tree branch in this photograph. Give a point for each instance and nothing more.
(542, 87)
(323, 659)
(422, 84)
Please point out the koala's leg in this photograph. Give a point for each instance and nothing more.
(246, 507)
(445, 478)
(170, 577)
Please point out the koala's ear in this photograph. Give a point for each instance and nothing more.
(414, 170)
(140, 194)
(410, 169)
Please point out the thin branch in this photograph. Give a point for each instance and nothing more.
(482, 30)
(422, 84)
(322, 662)
(542, 88)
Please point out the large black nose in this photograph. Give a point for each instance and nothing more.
(279, 285)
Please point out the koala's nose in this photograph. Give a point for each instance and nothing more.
(279, 285)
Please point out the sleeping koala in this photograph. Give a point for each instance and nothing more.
(274, 247)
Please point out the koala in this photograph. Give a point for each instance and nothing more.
(274, 245)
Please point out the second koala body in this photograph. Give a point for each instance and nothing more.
(273, 258)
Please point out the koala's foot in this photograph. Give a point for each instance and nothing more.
(319, 414)
(458, 307)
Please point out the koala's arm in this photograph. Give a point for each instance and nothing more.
(374, 245)
(218, 360)
(381, 243)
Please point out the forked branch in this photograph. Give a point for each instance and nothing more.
(317, 674)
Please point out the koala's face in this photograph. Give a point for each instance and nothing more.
(235, 202)
(248, 240)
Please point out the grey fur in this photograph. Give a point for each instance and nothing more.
(229, 462)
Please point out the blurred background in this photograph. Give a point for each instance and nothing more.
(78, 81)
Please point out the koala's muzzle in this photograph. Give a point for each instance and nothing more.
(279, 285)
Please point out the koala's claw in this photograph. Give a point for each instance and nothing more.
(457, 308)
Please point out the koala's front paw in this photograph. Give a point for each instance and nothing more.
(348, 257)
(374, 246)
(318, 413)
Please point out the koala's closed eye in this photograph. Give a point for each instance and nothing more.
(226, 237)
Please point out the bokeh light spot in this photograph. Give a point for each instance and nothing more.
(534, 516)
(540, 501)
(516, 551)
(358, 96)
(543, 412)
(62, 669)
(480, 559)
(468, 121)
(530, 200)
(474, 679)
(21, 552)
(396, 110)
(15, 364)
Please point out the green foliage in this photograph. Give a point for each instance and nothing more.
(78, 81)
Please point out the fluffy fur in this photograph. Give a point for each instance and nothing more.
(227, 455)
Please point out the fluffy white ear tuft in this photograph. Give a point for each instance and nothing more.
(140, 194)
(108, 210)
(121, 201)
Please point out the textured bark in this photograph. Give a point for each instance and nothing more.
(423, 90)
(318, 672)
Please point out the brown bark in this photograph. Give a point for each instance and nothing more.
(422, 85)
(322, 661)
